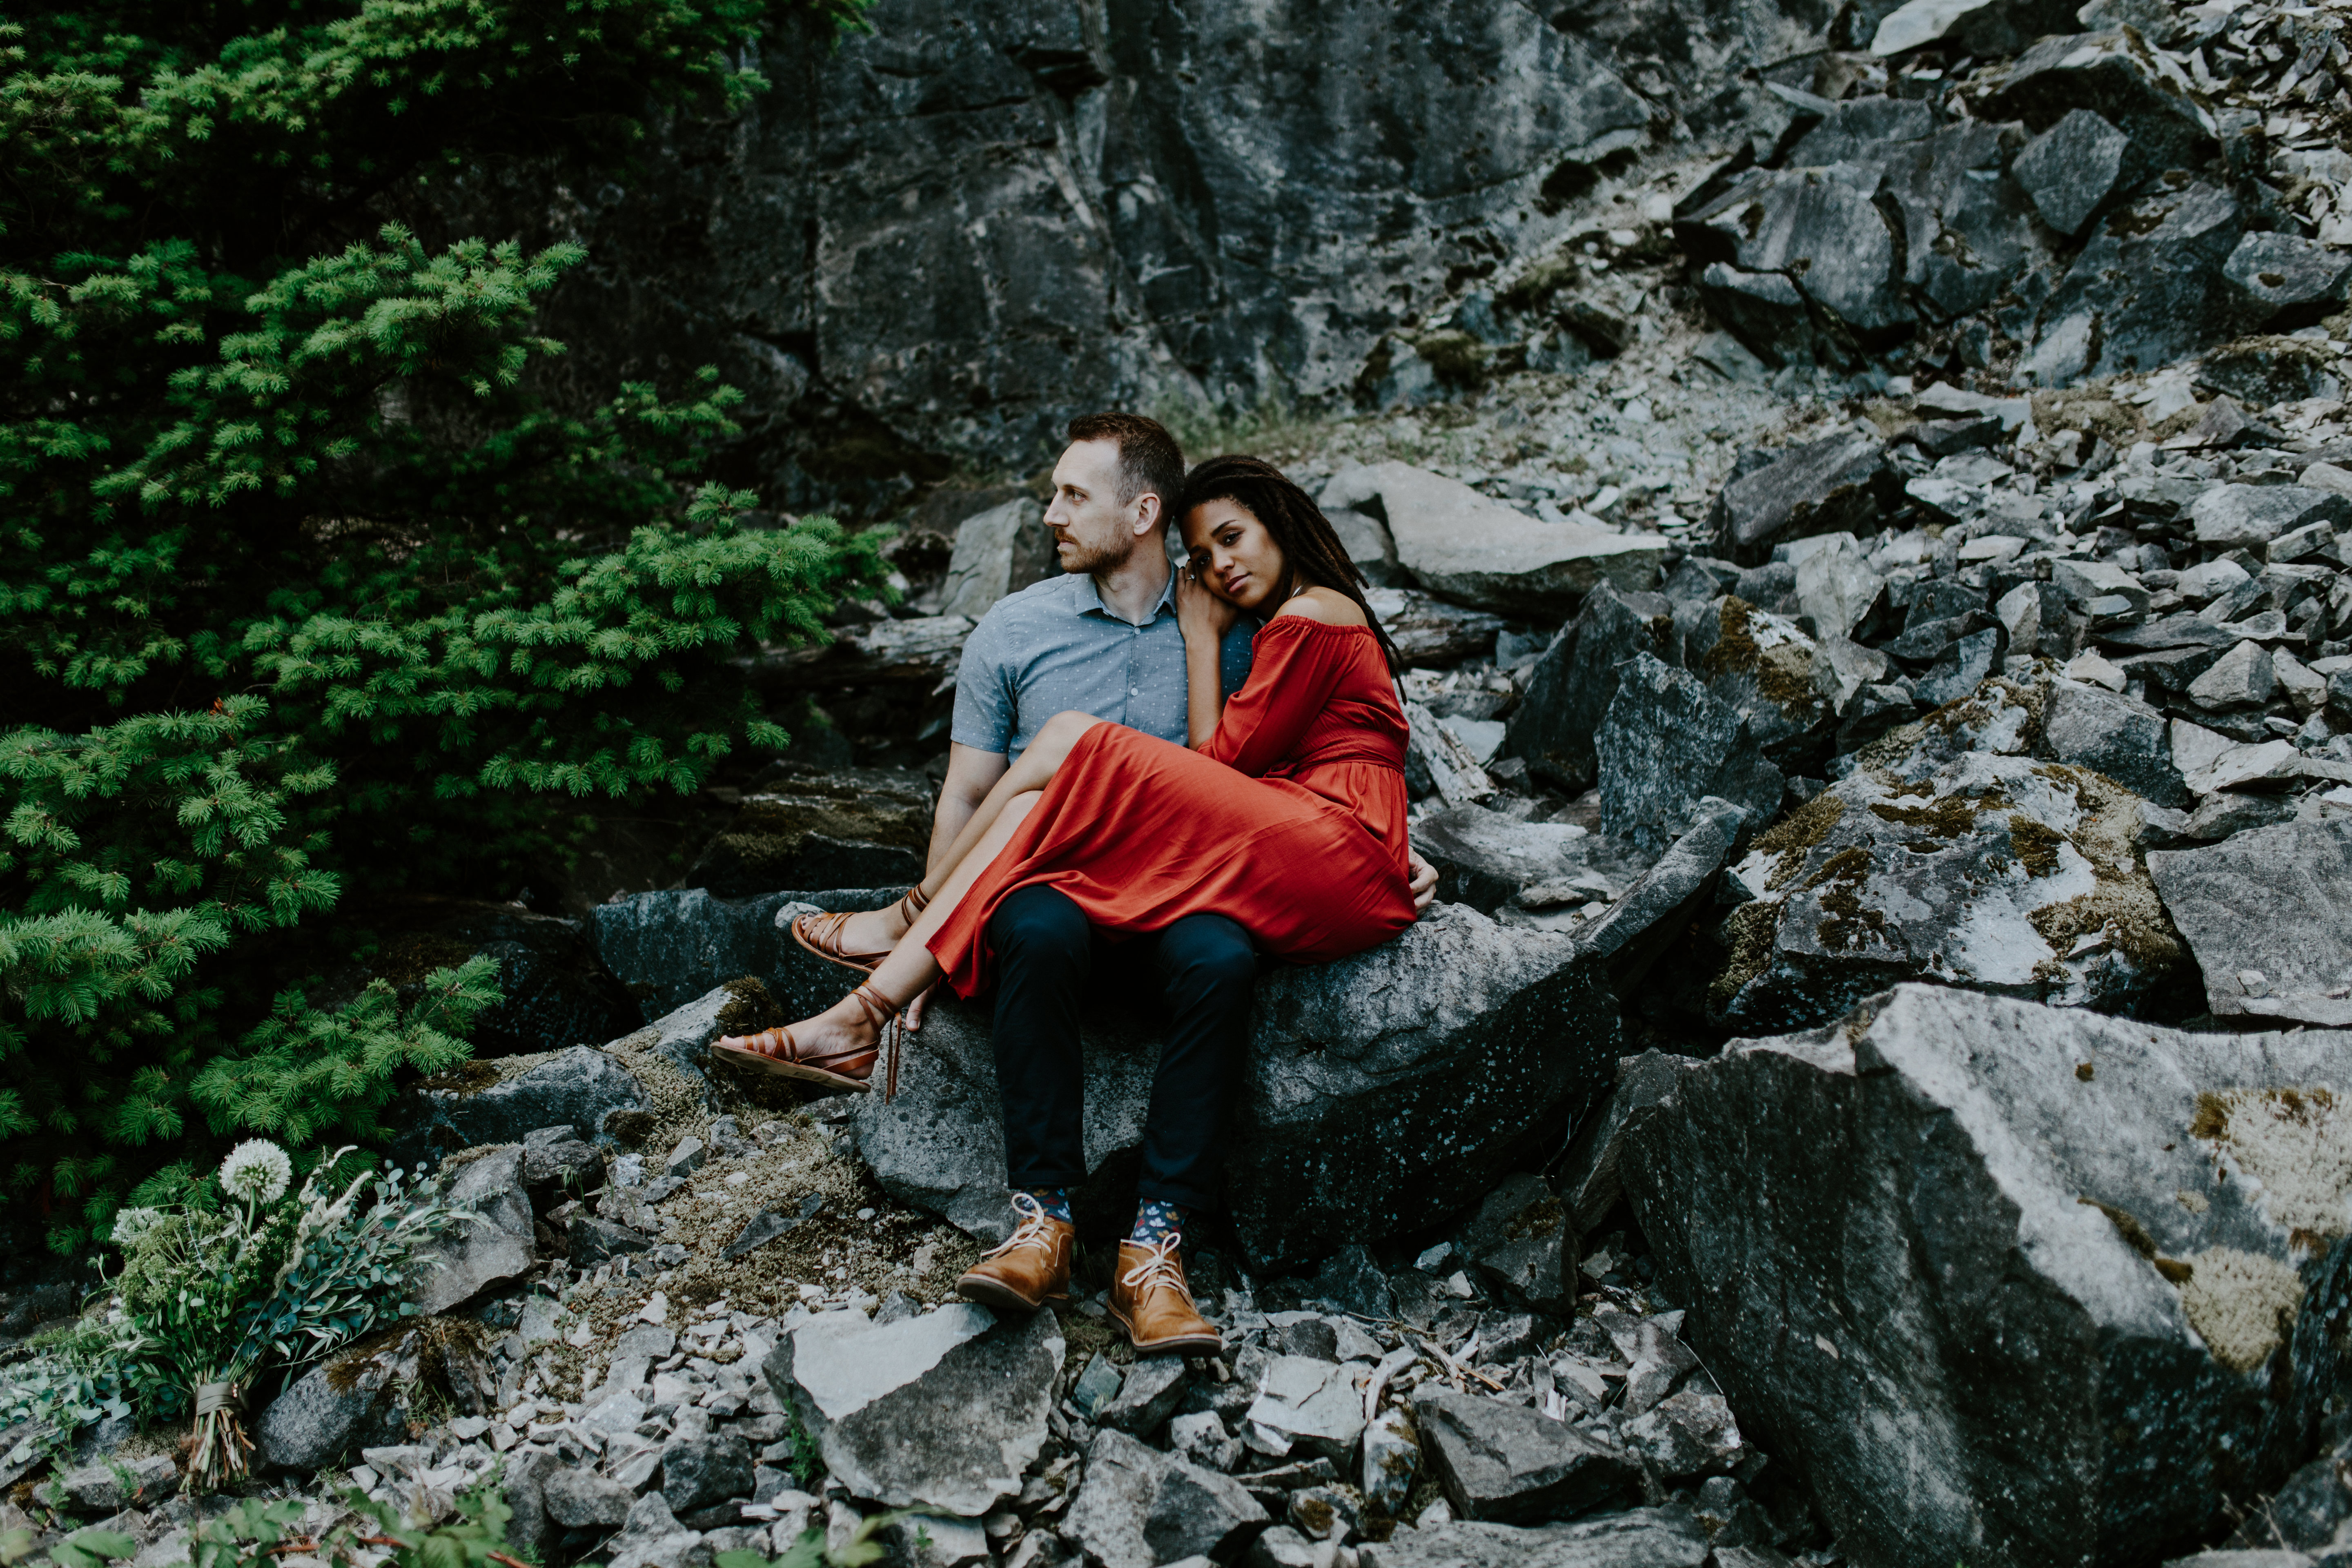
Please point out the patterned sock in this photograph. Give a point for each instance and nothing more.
(1056, 1202)
(1155, 1221)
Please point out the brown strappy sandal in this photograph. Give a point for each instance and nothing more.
(820, 934)
(774, 1051)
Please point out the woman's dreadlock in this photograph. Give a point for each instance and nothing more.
(1311, 552)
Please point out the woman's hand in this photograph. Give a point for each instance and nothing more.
(1201, 615)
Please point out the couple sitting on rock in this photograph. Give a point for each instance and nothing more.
(1127, 783)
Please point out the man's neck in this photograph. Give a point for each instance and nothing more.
(1131, 589)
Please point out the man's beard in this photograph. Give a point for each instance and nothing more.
(1076, 556)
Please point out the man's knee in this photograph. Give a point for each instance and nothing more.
(1039, 924)
(1208, 956)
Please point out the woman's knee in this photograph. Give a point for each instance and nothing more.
(1062, 730)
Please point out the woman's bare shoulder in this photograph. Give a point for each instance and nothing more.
(1325, 605)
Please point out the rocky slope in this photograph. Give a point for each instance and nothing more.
(1867, 504)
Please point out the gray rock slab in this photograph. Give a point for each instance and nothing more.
(1484, 859)
(2109, 734)
(1313, 1404)
(576, 1498)
(945, 1410)
(2117, 76)
(1994, 872)
(112, 1486)
(1520, 1242)
(1147, 1397)
(1463, 546)
(1650, 916)
(2230, 515)
(1380, 1093)
(1636, 1538)
(354, 1400)
(578, 1088)
(652, 1538)
(2075, 169)
(1839, 484)
(1590, 1181)
(1667, 745)
(1509, 1463)
(2265, 914)
(470, 1259)
(2147, 288)
(1566, 695)
(2055, 1200)
(672, 948)
(998, 552)
(1139, 1507)
(698, 1470)
(2287, 281)
(1429, 631)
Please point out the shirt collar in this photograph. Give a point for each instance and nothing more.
(1086, 599)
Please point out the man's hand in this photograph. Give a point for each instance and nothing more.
(913, 1016)
(1424, 883)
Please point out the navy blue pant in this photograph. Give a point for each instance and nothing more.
(1203, 968)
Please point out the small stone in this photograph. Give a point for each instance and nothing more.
(1148, 1395)
(652, 1538)
(577, 1499)
(1137, 1508)
(1310, 1402)
(1203, 1440)
(1391, 1460)
(1096, 1387)
(110, 1488)
(698, 1471)
(686, 1158)
(655, 1311)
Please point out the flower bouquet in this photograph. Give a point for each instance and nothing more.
(219, 1293)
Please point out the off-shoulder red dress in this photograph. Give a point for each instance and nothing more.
(1292, 821)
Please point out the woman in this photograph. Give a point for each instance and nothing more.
(1286, 813)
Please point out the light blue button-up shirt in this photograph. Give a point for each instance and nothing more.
(1054, 647)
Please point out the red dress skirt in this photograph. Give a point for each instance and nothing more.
(1292, 821)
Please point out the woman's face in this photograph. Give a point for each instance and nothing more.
(1233, 553)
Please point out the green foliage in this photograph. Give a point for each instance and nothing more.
(807, 1459)
(257, 1533)
(64, 1385)
(810, 1551)
(306, 595)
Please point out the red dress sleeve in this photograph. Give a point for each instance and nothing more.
(1292, 674)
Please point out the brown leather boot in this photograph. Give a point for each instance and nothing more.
(1030, 1269)
(1150, 1299)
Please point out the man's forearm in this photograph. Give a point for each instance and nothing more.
(954, 812)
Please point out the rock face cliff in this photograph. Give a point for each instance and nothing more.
(948, 233)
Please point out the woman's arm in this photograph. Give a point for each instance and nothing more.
(1204, 618)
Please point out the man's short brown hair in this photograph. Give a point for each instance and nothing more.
(1148, 456)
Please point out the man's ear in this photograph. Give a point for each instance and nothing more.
(1147, 512)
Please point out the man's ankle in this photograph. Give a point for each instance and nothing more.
(1155, 1220)
(1055, 1201)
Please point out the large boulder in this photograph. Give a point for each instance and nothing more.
(944, 1410)
(1381, 1093)
(1666, 1537)
(1993, 871)
(2265, 914)
(839, 828)
(2013, 1285)
(1458, 543)
(2147, 289)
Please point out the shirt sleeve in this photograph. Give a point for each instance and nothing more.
(984, 705)
(1292, 676)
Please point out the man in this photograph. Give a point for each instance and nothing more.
(1101, 639)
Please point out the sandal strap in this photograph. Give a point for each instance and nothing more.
(914, 903)
(778, 1045)
(822, 935)
(883, 1013)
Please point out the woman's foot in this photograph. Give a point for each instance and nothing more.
(837, 1048)
(861, 938)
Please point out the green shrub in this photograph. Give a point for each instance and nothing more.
(306, 595)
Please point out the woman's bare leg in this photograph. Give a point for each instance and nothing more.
(880, 930)
(911, 969)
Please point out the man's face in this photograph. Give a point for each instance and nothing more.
(1093, 529)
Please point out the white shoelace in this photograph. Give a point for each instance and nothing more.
(1160, 1267)
(1031, 1231)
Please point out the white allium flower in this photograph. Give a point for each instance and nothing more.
(257, 1170)
(130, 1225)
